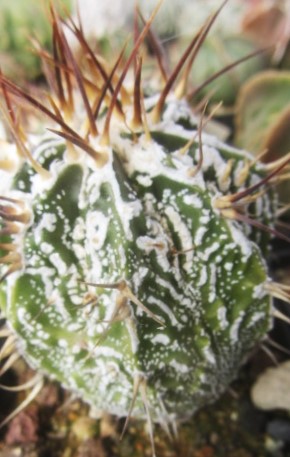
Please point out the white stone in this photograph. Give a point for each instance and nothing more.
(271, 390)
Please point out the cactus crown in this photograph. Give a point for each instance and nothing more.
(131, 241)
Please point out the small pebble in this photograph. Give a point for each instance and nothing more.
(271, 390)
(84, 428)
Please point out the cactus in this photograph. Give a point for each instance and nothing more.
(262, 118)
(260, 129)
(219, 51)
(133, 258)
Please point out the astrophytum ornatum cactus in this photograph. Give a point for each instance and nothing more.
(132, 277)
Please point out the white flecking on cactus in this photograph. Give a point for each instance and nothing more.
(133, 259)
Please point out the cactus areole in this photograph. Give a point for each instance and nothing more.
(128, 273)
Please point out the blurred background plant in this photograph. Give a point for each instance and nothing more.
(21, 20)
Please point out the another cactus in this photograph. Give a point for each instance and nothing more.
(262, 114)
(216, 53)
(134, 274)
(262, 119)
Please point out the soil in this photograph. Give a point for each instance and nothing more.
(57, 425)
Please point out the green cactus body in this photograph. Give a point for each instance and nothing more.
(125, 272)
(140, 221)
